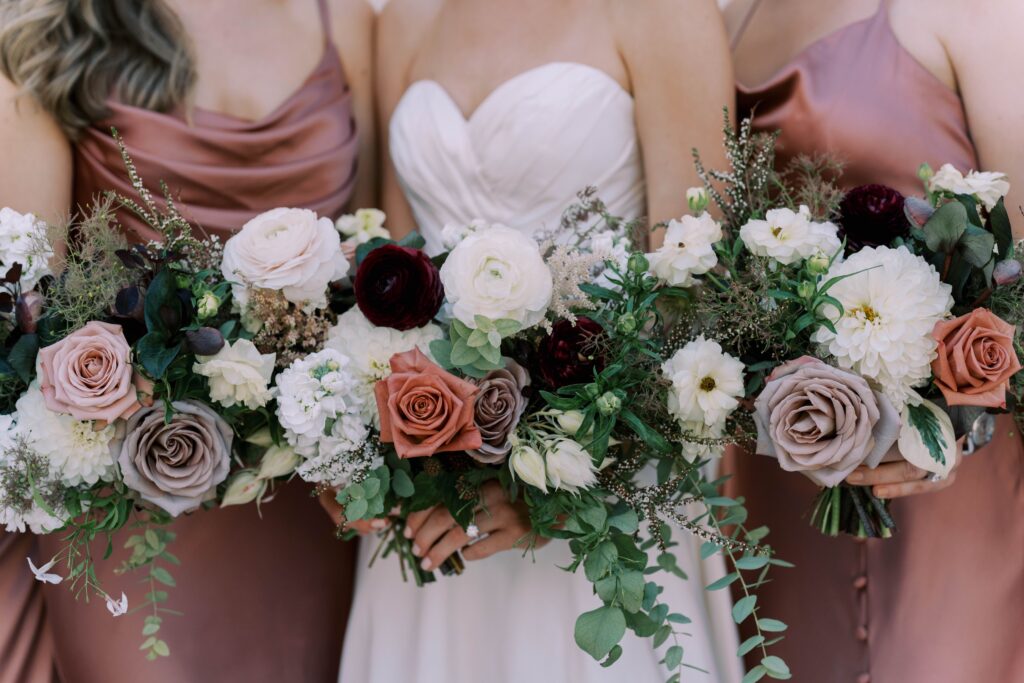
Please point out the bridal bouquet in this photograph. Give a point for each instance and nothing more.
(541, 365)
(867, 326)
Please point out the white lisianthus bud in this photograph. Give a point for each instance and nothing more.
(819, 263)
(570, 421)
(528, 465)
(278, 461)
(697, 199)
(261, 438)
(570, 467)
(244, 488)
(208, 305)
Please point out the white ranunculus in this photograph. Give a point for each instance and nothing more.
(238, 374)
(497, 273)
(528, 466)
(569, 466)
(278, 461)
(370, 349)
(23, 240)
(987, 187)
(363, 225)
(892, 301)
(289, 250)
(78, 453)
(706, 382)
(789, 236)
(688, 250)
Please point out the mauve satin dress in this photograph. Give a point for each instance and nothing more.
(263, 599)
(942, 601)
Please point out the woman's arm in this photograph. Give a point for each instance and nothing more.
(352, 26)
(681, 73)
(35, 158)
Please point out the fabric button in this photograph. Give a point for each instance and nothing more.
(860, 583)
(864, 678)
(862, 633)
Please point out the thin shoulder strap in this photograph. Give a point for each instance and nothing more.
(325, 19)
(746, 23)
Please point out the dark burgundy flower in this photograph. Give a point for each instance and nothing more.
(569, 354)
(398, 287)
(872, 216)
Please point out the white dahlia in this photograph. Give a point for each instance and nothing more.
(789, 236)
(688, 250)
(78, 453)
(370, 348)
(706, 383)
(891, 306)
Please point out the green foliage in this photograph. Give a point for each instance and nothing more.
(927, 425)
(474, 351)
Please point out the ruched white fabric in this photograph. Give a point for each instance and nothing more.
(519, 159)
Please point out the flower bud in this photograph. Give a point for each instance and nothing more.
(244, 488)
(528, 465)
(278, 461)
(806, 290)
(206, 341)
(638, 263)
(697, 199)
(818, 264)
(28, 310)
(925, 173)
(592, 391)
(627, 323)
(208, 305)
(570, 421)
(608, 403)
(569, 466)
(1007, 272)
(261, 438)
(918, 211)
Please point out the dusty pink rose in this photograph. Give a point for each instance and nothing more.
(823, 421)
(425, 410)
(89, 375)
(976, 359)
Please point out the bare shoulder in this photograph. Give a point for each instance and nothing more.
(648, 22)
(963, 26)
(349, 14)
(406, 19)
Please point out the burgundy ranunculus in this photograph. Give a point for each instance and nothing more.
(569, 355)
(398, 287)
(872, 216)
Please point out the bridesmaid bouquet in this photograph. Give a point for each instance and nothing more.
(543, 366)
(885, 334)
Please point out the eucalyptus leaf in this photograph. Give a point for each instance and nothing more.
(600, 630)
(944, 229)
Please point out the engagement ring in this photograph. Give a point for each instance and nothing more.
(473, 531)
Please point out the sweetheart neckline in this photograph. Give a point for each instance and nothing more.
(507, 83)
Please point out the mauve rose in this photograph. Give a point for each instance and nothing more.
(823, 421)
(89, 375)
(498, 407)
(398, 287)
(425, 410)
(176, 465)
(568, 354)
(872, 216)
(976, 359)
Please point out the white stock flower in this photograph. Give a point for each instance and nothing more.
(789, 236)
(890, 308)
(569, 466)
(370, 349)
(78, 453)
(987, 187)
(528, 466)
(452, 234)
(497, 273)
(23, 240)
(706, 382)
(688, 250)
(363, 225)
(238, 374)
(286, 250)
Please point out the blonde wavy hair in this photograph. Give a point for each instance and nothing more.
(72, 55)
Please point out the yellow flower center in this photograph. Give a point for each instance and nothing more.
(708, 384)
(866, 312)
(776, 231)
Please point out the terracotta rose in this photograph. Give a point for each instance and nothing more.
(976, 359)
(425, 410)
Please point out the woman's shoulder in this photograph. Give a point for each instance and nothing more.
(669, 32)
(407, 18)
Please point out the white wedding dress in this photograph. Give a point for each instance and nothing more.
(519, 160)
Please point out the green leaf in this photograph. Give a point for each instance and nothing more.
(775, 666)
(152, 539)
(749, 644)
(723, 582)
(595, 516)
(607, 588)
(662, 635)
(598, 562)
(477, 338)
(673, 657)
(752, 562)
(771, 625)
(927, 425)
(163, 576)
(755, 674)
(155, 355)
(977, 246)
(414, 240)
(625, 520)
(999, 221)
(463, 354)
(22, 357)
(650, 436)
(161, 649)
(631, 590)
(150, 629)
(613, 656)
(402, 485)
(743, 608)
(441, 350)
(506, 328)
(364, 249)
(944, 229)
(600, 630)
(161, 293)
(357, 509)
(492, 354)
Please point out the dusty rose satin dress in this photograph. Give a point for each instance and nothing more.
(943, 601)
(264, 599)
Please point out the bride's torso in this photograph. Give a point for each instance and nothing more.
(521, 156)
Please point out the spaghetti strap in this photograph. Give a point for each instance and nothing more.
(325, 20)
(746, 24)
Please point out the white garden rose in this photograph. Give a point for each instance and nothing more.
(569, 466)
(688, 250)
(370, 349)
(789, 236)
(290, 250)
(23, 240)
(706, 383)
(892, 301)
(528, 466)
(988, 188)
(363, 225)
(497, 273)
(238, 374)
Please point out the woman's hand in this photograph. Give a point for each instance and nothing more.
(502, 525)
(901, 479)
(329, 502)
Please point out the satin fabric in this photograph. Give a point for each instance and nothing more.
(519, 159)
(26, 645)
(941, 601)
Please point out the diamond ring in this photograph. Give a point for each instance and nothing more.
(473, 531)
